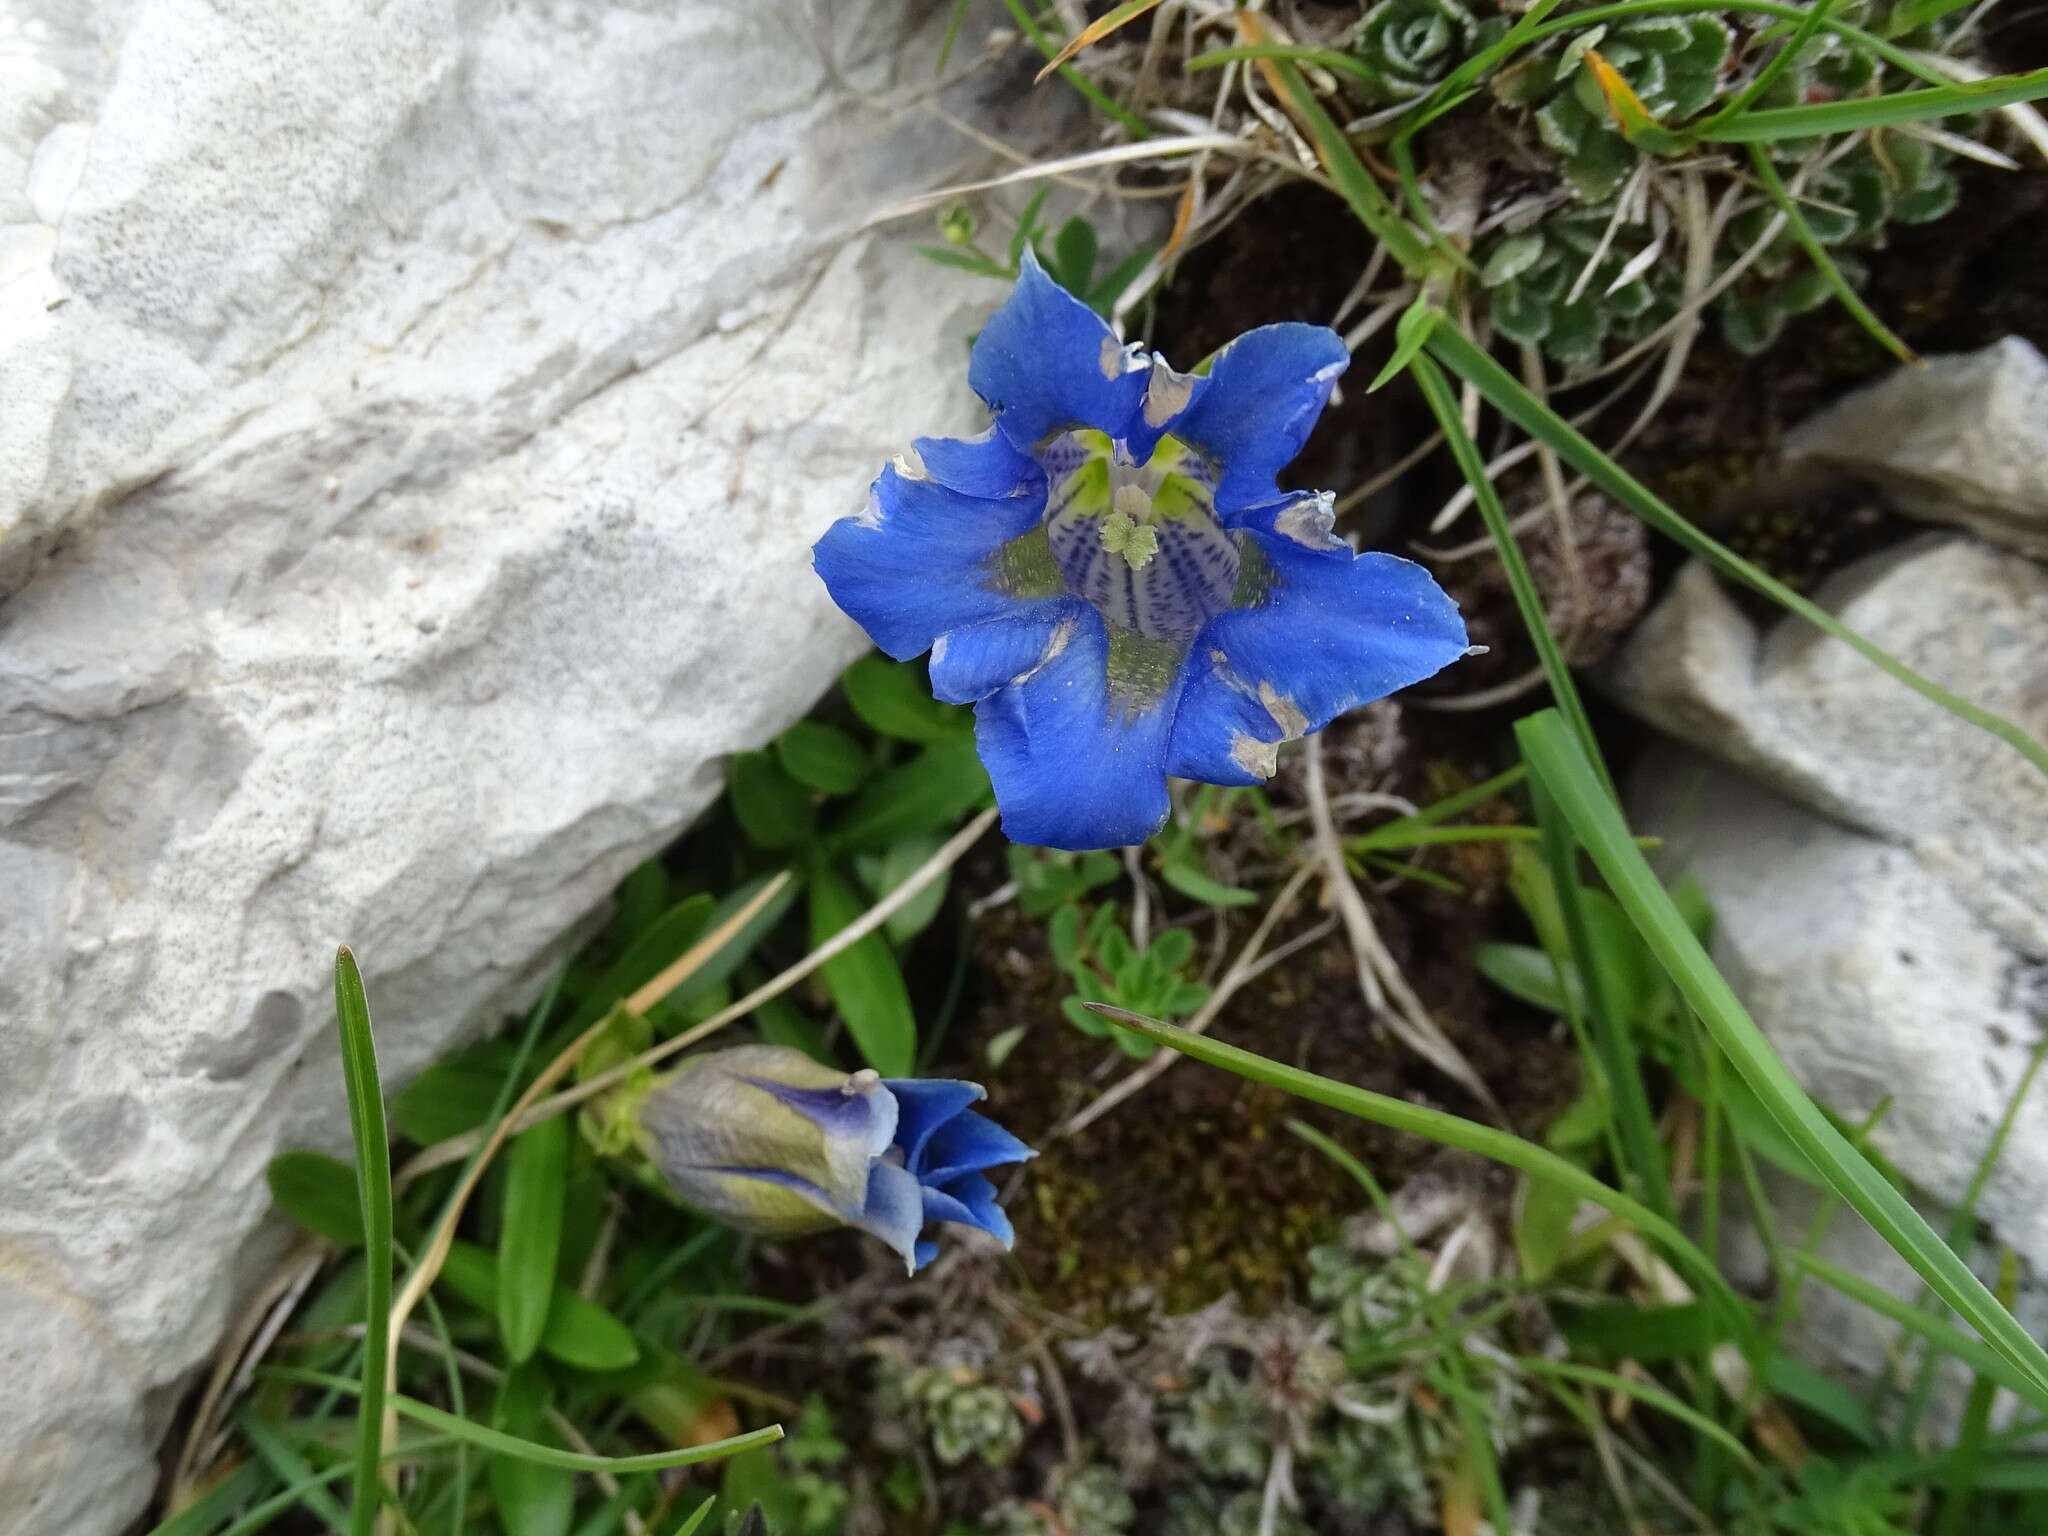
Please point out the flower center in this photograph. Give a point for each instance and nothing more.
(1139, 542)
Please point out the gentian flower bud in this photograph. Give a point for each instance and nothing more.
(768, 1140)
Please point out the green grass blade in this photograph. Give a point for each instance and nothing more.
(1844, 291)
(528, 1450)
(1462, 356)
(1643, 1391)
(1452, 805)
(1554, 757)
(952, 35)
(536, 1190)
(1899, 58)
(1955, 100)
(1633, 1121)
(1963, 1224)
(1976, 1430)
(1769, 75)
(1133, 124)
(1451, 1131)
(373, 1186)
(1285, 53)
(1443, 404)
(203, 1515)
(1947, 1339)
(292, 1469)
(1354, 182)
(1918, 13)
(1483, 63)
(261, 1517)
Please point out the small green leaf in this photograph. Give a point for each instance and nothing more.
(532, 1500)
(822, 757)
(643, 895)
(930, 792)
(319, 1193)
(536, 1182)
(663, 940)
(1198, 885)
(1625, 1331)
(1074, 253)
(1001, 1045)
(1822, 1396)
(450, 1098)
(754, 1482)
(1543, 1227)
(773, 809)
(1524, 971)
(578, 1332)
(882, 873)
(892, 697)
(864, 981)
(1511, 258)
(1411, 335)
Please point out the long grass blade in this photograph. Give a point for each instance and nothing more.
(1528, 601)
(1610, 1028)
(1809, 242)
(1946, 1339)
(530, 1450)
(1100, 99)
(1464, 357)
(1554, 757)
(1354, 182)
(1771, 123)
(1768, 76)
(373, 1188)
(1095, 32)
(1451, 1131)
(1643, 1391)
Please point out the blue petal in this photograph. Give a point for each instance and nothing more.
(965, 1144)
(865, 1120)
(1334, 630)
(986, 467)
(1255, 409)
(1045, 362)
(917, 562)
(1074, 764)
(894, 1210)
(923, 1255)
(970, 1201)
(923, 1104)
(970, 664)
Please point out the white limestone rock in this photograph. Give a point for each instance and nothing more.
(1878, 869)
(413, 422)
(1807, 715)
(1962, 440)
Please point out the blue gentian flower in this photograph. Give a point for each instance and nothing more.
(1111, 576)
(772, 1142)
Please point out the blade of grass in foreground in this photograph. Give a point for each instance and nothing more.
(1554, 758)
(1528, 601)
(529, 1450)
(1451, 1131)
(373, 1188)
(1844, 291)
(1769, 123)
(1465, 358)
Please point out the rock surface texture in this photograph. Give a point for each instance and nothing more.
(1881, 906)
(413, 421)
(1962, 440)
